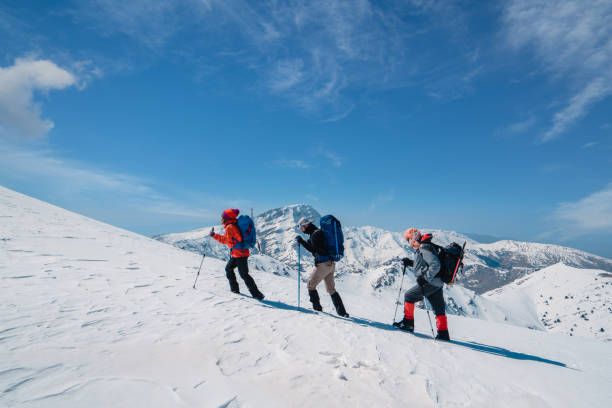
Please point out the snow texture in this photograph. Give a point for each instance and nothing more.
(95, 316)
(565, 299)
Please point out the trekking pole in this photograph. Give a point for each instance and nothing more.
(299, 274)
(428, 315)
(397, 303)
(200, 268)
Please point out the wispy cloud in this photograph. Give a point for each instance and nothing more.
(287, 75)
(19, 114)
(78, 182)
(572, 40)
(312, 198)
(589, 145)
(552, 168)
(590, 214)
(151, 22)
(518, 127)
(595, 91)
(382, 199)
(312, 53)
(334, 159)
(289, 164)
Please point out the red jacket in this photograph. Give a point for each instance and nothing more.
(231, 237)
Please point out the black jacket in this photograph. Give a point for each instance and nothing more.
(316, 244)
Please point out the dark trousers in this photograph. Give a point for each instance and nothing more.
(243, 270)
(415, 294)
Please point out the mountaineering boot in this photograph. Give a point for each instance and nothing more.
(442, 326)
(234, 286)
(258, 295)
(405, 324)
(314, 298)
(339, 305)
(443, 335)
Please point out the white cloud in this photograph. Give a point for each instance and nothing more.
(590, 214)
(19, 114)
(572, 40)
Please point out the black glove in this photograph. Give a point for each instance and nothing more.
(421, 281)
(407, 262)
(299, 240)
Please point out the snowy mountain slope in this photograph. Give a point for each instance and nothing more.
(490, 266)
(375, 252)
(371, 265)
(95, 316)
(567, 300)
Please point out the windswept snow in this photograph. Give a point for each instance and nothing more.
(95, 316)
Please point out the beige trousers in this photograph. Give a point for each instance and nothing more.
(323, 272)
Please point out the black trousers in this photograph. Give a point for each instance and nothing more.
(243, 270)
(415, 294)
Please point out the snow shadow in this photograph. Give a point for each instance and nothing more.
(500, 351)
(284, 306)
(484, 348)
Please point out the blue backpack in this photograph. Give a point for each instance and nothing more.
(247, 230)
(334, 238)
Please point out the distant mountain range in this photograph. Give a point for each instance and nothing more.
(374, 253)
(371, 265)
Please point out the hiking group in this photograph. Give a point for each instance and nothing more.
(433, 265)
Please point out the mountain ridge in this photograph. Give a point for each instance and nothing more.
(487, 266)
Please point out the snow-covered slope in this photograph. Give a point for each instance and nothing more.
(567, 300)
(95, 316)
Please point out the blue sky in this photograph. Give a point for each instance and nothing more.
(484, 117)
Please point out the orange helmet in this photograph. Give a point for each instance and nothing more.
(413, 236)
